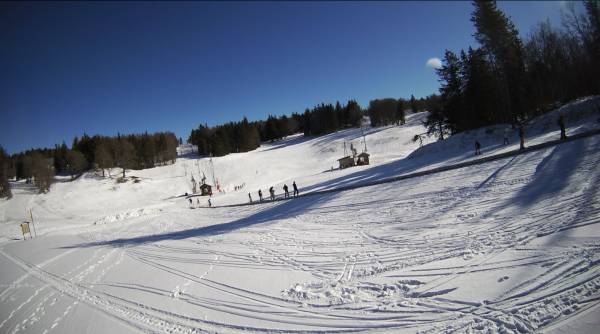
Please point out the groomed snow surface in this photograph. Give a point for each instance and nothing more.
(508, 246)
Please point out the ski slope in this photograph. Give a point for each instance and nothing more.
(508, 246)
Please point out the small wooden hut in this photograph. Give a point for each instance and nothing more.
(346, 162)
(362, 159)
(205, 190)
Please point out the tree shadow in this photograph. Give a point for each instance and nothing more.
(551, 175)
(279, 210)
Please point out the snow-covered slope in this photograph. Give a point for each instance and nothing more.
(506, 246)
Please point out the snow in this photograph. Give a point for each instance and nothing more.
(506, 246)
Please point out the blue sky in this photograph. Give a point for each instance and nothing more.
(102, 68)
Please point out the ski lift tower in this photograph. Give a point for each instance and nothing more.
(212, 168)
(364, 138)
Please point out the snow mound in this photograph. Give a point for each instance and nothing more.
(127, 215)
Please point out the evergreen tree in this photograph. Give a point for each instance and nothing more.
(148, 151)
(271, 129)
(331, 120)
(400, 117)
(60, 158)
(383, 112)
(306, 122)
(450, 108)
(413, 104)
(4, 184)
(500, 41)
(437, 122)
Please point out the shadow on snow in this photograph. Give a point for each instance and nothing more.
(279, 210)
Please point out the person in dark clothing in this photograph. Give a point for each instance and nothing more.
(250, 197)
(296, 192)
(209, 203)
(285, 190)
(522, 137)
(272, 192)
(477, 148)
(260, 195)
(190, 201)
(561, 123)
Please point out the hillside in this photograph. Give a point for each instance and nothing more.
(505, 246)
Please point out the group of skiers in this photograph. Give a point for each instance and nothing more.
(561, 124)
(286, 192)
(260, 195)
(198, 201)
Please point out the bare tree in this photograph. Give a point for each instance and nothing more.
(125, 154)
(42, 171)
(76, 163)
(103, 158)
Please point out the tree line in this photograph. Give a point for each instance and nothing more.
(508, 80)
(134, 151)
(246, 136)
(388, 111)
(322, 119)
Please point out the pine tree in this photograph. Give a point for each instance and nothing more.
(437, 122)
(354, 113)
(148, 151)
(450, 109)
(400, 117)
(60, 158)
(500, 41)
(306, 122)
(479, 102)
(413, 104)
(4, 184)
(271, 129)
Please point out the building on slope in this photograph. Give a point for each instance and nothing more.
(205, 189)
(346, 162)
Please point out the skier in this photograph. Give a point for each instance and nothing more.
(272, 192)
(506, 133)
(477, 148)
(561, 123)
(285, 189)
(250, 197)
(260, 195)
(209, 203)
(198, 201)
(296, 192)
(190, 201)
(522, 137)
